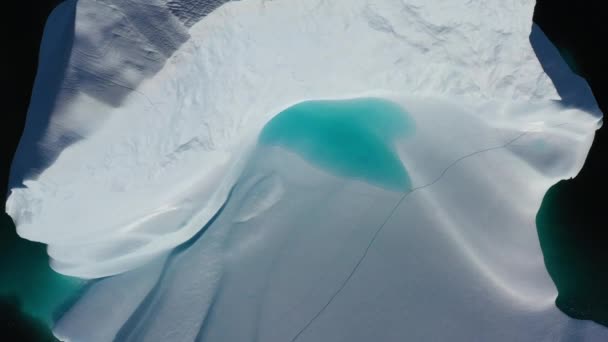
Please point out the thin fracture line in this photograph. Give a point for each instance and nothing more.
(390, 215)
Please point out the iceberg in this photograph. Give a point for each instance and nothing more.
(300, 170)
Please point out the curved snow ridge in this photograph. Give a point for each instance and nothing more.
(147, 172)
(265, 192)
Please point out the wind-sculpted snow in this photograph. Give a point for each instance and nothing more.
(191, 11)
(226, 237)
(93, 54)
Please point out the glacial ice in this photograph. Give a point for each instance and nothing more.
(145, 166)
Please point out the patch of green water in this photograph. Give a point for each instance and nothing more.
(350, 138)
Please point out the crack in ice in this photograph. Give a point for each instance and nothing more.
(390, 215)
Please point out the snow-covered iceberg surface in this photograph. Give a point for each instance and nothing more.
(301, 170)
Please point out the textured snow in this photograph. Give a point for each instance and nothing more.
(150, 144)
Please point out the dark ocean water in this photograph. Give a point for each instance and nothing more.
(572, 222)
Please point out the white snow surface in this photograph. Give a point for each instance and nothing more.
(157, 132)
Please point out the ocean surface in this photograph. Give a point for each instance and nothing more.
(27, 280)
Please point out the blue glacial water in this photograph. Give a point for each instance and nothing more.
(350, 138)
(27, 283)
